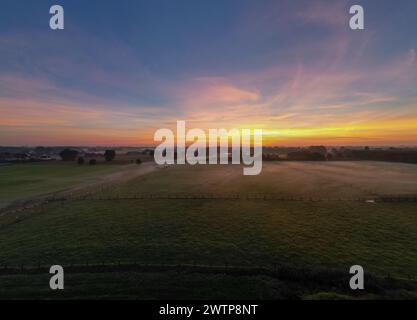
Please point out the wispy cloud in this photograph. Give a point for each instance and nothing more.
(289, 67)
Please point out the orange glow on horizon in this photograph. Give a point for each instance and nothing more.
(402, 131)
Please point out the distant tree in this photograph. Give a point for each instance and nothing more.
(68, 154)
(92, 162)
(41, 149)
(81, 160)
(318, 149)
(305, 156)
(138, 161)
(109, 155)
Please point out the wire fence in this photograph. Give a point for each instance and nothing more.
(223, 196)
(113, 196)
(324, 276)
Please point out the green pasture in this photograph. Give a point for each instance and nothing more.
(382, 237)
(21, 181)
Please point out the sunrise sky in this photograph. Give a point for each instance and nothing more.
(123, 69)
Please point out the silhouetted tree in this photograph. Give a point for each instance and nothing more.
(81, 160)
(318, 149)
(138, 161)
(109, 155)
(68, 154)
(305, 156)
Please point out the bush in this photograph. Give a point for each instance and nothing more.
(81, 160)
(68, 154)
(92, 162)
(109, 155)
(138, 161)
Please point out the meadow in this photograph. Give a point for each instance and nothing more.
(321, 223)
(18, 182)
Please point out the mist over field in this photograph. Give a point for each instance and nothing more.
(113, 115)
(312, 216)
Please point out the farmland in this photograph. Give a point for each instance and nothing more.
(320, 222)
(27, 180)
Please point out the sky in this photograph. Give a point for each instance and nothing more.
(120, 70)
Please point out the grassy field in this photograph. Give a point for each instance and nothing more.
(382, 237)
(298, 179)
(28, 180)
(173, 285)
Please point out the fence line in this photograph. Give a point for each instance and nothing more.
(324, 276)
(95, 196)
(232, 196)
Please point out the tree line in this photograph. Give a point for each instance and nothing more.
(74, 155)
